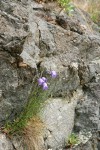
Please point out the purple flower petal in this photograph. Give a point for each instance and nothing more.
(45, 86)
(44, 79)
(40, 81)
(53, 74)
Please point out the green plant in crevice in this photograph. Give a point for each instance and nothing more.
(66, 4)
(72, 140)
(95, 17)
(40, 93)
(92, 7)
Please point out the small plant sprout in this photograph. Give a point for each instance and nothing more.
(66, 4)
(72, 140)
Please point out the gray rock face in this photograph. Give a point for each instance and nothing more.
(15, 82)
(5, 144)
(59, 124)
(34, 37)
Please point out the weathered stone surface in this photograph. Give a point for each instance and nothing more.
(35, 38)
(5, 144)
(13, 22)
(15, 79)
(58, 116)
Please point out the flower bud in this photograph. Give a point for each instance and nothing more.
(40, 81)
(45, 86)
(53, 74)
(44, 79)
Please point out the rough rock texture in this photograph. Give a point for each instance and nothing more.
(56, 114)
(34, 37)
(5, 143)
(15, 81)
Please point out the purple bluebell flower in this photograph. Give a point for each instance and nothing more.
(44, 79)
(40, 81)
(53, 74)
(45, 86)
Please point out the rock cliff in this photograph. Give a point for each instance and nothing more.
(35, 37)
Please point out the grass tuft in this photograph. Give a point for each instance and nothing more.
(37, 98)
(90, 6)
(72, 140)
(32, 134)
(36, 102)
(66, 4)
